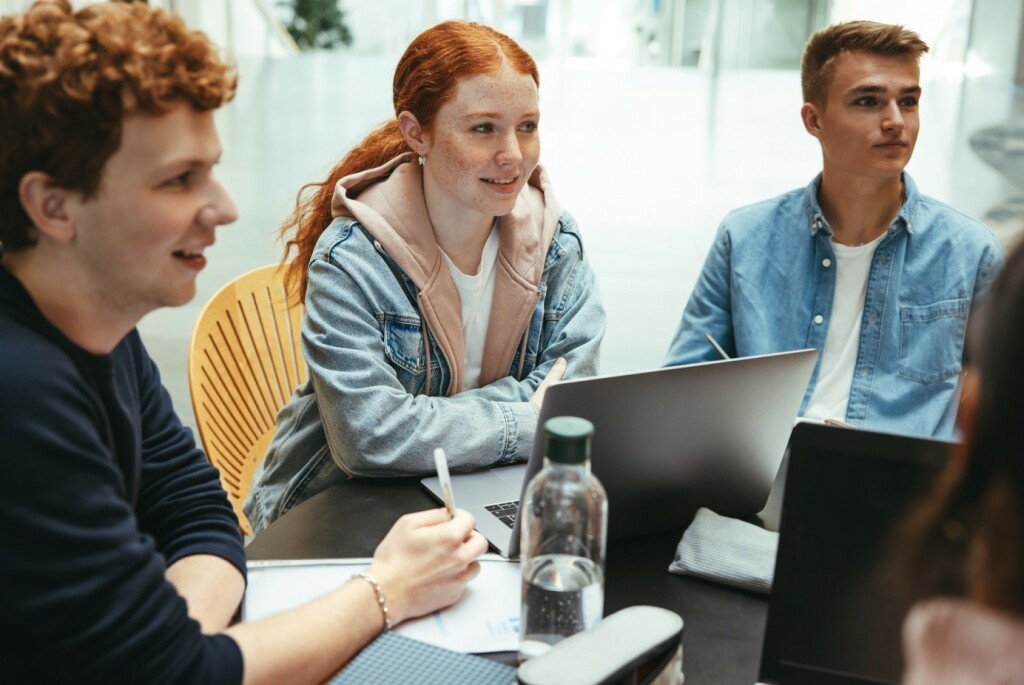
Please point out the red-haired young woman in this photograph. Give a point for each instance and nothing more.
(444, 286)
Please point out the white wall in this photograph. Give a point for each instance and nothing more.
(388, 26)
(11, 6)
(995, 38)
(943, 24)
(755, 33)
(238, 26)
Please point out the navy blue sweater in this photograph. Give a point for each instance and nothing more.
(101, 488)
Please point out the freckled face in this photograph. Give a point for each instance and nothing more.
(483, 146)
(870, 121)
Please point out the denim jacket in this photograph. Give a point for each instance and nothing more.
(383, 339)
(768, 285)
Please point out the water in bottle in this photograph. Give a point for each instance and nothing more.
(565, 514)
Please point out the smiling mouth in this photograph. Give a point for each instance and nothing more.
(500, 181)
(187, 254)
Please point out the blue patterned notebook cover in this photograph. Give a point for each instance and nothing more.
(392, 658)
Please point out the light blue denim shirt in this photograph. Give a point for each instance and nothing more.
(365, 410)
(768, 284)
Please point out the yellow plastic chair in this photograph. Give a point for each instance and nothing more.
(244, 362)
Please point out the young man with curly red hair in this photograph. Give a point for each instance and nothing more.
(121, 559)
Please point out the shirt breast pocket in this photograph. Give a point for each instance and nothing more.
(403, 343)
(932, 340)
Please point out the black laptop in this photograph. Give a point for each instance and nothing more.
(837, 605)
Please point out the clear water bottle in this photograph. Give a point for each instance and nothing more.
(564, 526)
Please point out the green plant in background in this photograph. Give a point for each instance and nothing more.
(318, 24)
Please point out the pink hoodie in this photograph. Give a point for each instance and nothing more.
(388, 202)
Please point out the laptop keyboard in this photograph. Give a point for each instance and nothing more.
(505, 512)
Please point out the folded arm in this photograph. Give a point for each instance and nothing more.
(374, 426)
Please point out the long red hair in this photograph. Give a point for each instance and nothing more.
(425, 79)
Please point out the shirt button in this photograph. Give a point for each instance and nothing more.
(826, 262)
(818, 319)
(874, 317)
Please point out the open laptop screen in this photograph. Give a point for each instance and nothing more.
(836, 609)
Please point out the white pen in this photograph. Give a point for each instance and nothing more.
(441, 461)
(718, 348)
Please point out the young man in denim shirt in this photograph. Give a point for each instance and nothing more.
(858, 265)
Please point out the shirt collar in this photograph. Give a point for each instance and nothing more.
(904, 218)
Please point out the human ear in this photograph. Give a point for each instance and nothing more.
(415, 136)
(46, 205)
(810, 116)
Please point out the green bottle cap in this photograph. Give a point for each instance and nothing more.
(568, 439)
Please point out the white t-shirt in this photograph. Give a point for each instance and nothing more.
(475, 294)
(839, 357)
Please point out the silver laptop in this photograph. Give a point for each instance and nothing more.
(666, 442)
(836, 608)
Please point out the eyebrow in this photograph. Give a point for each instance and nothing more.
(872, 88)
(193, 162)
(495, 115)
(182, 165)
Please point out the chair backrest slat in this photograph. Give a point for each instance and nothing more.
(253, 390)
(244, 364)
(271, 376)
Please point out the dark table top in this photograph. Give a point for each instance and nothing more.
(723, 627)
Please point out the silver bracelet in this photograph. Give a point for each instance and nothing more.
(382, 601)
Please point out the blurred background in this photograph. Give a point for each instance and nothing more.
(658, 117)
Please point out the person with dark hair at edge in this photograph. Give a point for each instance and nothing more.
(121, 560)
(444, 286)
(858, 265)
(966, 541)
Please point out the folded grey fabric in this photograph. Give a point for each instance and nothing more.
(727, 550)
